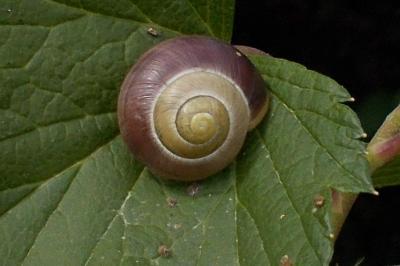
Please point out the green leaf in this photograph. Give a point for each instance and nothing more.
(218, 15)
(61, 66)
(71, 193)
(308, 145)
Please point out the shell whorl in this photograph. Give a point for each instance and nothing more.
(195, 111)
(187, 105)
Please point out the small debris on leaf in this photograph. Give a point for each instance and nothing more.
(193, 189)
(153, 32)
(164, 251)
(285, 261)
(319, 201)
(177, 226)
(172, 202)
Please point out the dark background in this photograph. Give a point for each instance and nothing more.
(356, 43)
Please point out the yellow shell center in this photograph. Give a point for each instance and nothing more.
(203, 119)
(203, 126)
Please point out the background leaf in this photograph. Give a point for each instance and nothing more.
(388, 175)
(71, 193)
(384, 150)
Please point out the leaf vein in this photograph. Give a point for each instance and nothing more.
(317, 141)
(328, 118)
(92, 13)
(201, 18)
(290, 200)
(53, 124)
(48, 218)
(312, 88)
(118, 213)
(205, 222)
(257, 228)
(35, 184)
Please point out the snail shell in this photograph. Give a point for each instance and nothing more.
(186, 106)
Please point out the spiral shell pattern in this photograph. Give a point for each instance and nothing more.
(186, 106)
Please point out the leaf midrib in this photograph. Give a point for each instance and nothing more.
(117, 213)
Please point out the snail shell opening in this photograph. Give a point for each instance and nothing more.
(186, 106)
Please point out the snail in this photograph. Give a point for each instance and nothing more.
(185, 108)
